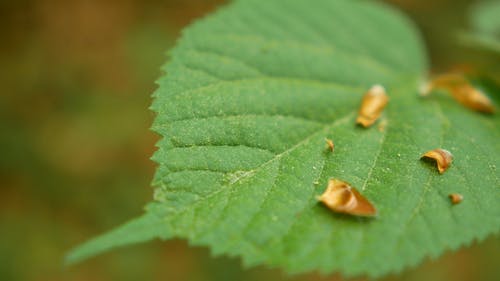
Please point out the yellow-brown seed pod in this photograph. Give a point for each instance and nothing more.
(340, 197)
(460, 88)
(372, 105)
(442, 157)
(456, 198)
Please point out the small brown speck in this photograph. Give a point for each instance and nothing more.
(330, 144)
(456, 198)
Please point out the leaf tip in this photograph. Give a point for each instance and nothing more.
(142, 229)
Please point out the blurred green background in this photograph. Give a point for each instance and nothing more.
(76, 82)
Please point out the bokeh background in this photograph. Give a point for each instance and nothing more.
(76, 78)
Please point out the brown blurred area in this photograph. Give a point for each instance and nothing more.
(75, 143)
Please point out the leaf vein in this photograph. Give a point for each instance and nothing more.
(285, 78)
(275, 158)
(245, 115)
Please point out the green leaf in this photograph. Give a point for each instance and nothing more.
(484, 17)
(485, 24)
(146, 227)
(250, 94)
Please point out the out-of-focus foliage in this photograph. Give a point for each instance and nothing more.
(485, 27)
(485, 17)
(74, 142)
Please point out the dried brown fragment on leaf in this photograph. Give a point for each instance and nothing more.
(456, 198)
(442, 157)
(341, 197)
(330, 144)
(372, 105)
(462, 90)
